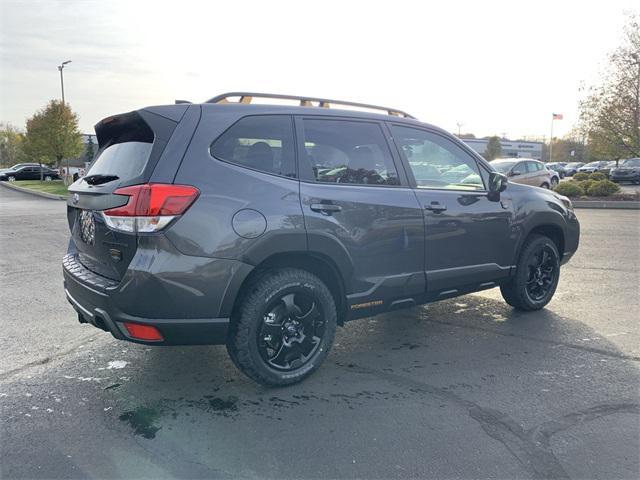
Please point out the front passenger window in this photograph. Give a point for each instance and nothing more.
(519, 169)
(437, 162)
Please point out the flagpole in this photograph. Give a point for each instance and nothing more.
(553, 116)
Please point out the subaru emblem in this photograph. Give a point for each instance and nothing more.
(76, 198)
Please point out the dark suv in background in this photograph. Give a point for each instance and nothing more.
(264, 227)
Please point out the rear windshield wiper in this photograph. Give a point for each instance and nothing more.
(99, 179)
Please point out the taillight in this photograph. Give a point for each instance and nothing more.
(150, 208)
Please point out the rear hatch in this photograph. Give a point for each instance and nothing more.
(130, 145)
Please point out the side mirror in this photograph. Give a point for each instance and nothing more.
(513, 174)
(497, 183)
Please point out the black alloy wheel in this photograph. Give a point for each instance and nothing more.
(283, 327)
(542, 273)
(291, 330)
(537, 275)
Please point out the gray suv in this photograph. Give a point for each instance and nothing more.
(263, 227)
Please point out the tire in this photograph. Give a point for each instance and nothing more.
(48, 178)
(554, 182)
(11, 178)
(521, 292)
(545, 185)
(284, 327)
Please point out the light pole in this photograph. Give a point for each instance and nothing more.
(60, 68)
(636, 119)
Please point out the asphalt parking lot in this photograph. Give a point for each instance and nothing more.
(465, 388)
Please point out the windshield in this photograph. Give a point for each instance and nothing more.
(593, 164)
(574, 164)
(632, 162)
(503, 167)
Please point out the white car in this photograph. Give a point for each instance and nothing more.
(555, 177)
(593, 167)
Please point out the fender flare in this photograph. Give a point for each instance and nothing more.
(542, 219)
(288, 242)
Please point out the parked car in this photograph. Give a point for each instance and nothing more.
(555, 177)
(571, 168)
(25, 171)
(606, 170)
(264, 227)
(593, 167)
(628, 171)
(557, 167)
(524, 170)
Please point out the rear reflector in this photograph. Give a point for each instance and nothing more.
(150, 208)
(143, 332)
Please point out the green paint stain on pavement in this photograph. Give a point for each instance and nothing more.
(142, 420)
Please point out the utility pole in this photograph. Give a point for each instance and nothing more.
(459, 124)
(60, 68)
(636, 120)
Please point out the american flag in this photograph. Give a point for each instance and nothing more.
(557, 116)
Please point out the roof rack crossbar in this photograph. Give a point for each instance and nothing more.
(247, 98)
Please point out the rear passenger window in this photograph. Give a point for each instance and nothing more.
(532, 167)
(348, 152)
(262, 142)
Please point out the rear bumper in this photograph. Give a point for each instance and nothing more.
(176, 311)
(95, 308)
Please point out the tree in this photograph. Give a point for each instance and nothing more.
(11, 145)
(610, 114)
(53, 134)
(89, 153)
(494, 149)
(562, 148)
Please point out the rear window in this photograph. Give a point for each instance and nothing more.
(126, 160)
(125, 147)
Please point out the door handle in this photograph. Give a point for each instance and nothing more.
(435, 207)
(325, 207)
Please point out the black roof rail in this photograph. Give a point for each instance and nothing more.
(247, 97)
(179, 102)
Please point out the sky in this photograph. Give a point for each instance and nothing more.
(496, 67)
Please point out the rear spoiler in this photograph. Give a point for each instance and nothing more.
(125, 127)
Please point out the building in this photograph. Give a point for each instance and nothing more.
(510, 148)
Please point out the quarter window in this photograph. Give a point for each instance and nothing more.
(437, 162)
(347, 152)
(263, 142)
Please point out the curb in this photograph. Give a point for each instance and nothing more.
(614, 205)
(50, 196)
